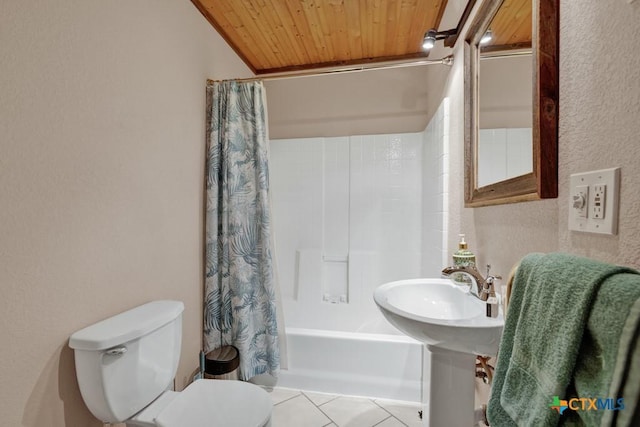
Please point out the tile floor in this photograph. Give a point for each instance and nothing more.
(296, 408)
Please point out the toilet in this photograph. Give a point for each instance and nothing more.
(126, 365)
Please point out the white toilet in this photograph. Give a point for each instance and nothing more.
(126, 364)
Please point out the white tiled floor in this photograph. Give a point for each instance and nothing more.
(295, 408)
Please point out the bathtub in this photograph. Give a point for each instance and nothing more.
(337, 339)
(353, 363)
(349, 214)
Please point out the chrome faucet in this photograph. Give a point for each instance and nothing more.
(483, 286)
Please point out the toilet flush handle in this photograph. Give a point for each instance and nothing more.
(117, 351)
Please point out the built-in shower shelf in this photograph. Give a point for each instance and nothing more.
(335, 279)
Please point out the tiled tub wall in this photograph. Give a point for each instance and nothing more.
(351, 213)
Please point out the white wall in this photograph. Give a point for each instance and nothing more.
(101, 182)
(387, 101)
(435, 193)
(348, 217)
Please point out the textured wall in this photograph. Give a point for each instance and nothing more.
(599, 117)
(102, 142)
(599, 128)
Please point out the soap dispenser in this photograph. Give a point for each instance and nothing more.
(463, 258)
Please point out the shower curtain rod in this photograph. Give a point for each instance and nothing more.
(447, 60)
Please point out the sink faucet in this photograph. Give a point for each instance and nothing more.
(483, 286)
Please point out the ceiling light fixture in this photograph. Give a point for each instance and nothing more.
(431, 36)
(429, 40)
(487, 37)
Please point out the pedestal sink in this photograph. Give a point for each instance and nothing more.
(452, 324)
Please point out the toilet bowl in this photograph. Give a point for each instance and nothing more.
(126, 364)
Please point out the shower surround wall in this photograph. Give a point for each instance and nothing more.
(435, 193)
(347, 213)
(351, 213)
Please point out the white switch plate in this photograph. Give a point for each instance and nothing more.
(601, 201)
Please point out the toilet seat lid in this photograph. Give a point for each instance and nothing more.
(207, 403)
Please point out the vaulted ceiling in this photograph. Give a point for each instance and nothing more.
(284, 35)
(511, 27)
(274, 36)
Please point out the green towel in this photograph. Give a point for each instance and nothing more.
(608, 365)
(551, 301)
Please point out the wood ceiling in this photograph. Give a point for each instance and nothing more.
(286, 35)
(511, 27)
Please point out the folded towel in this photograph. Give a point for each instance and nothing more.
(549, 308)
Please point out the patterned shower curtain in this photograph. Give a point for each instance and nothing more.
(240, 294)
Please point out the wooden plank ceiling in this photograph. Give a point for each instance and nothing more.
(511, 27)
(285, 35)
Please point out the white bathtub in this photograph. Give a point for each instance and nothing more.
(353, 363)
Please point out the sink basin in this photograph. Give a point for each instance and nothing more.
(453, 325)
(440, 314)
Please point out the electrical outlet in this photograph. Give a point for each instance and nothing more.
(593, 201)
(598, 202)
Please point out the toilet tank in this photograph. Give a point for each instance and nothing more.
(125, 362)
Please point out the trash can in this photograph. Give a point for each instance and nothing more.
(222, 363)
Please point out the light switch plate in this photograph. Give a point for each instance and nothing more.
(600, 201)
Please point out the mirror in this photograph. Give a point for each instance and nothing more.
(511, 103)
(505, 137)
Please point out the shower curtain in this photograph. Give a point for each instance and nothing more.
(240, 289)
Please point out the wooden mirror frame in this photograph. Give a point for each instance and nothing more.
(542, 183)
